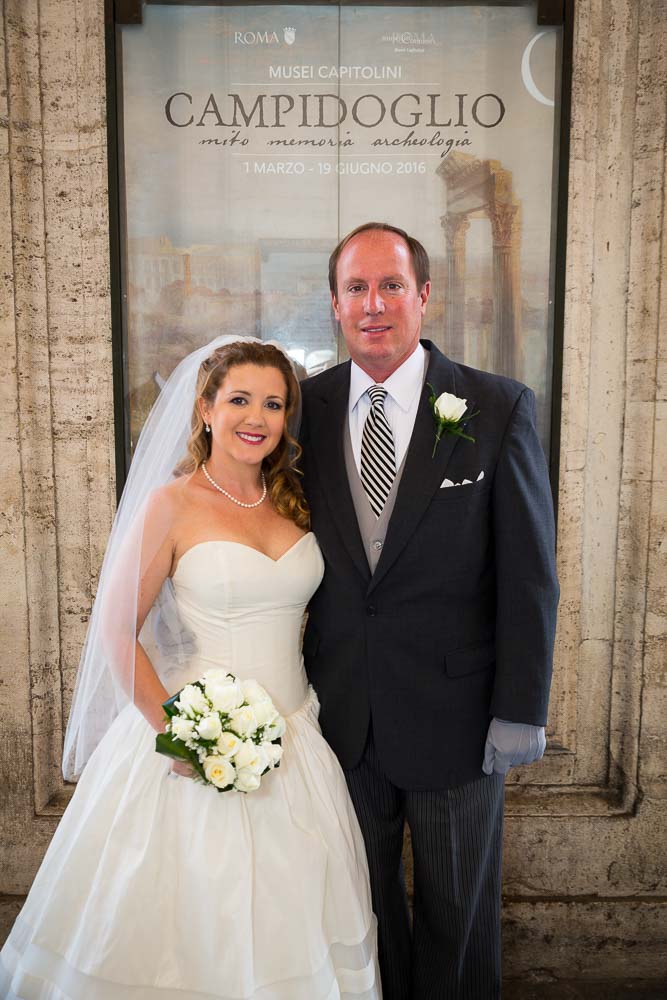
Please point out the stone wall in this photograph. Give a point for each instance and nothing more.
(585, 873)
(57, 477)
(585, 893)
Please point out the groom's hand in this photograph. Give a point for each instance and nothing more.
(509, 744)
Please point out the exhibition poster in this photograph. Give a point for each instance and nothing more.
(253, 137)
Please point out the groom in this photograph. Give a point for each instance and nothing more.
(430, 639)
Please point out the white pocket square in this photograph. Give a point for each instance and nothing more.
(466, 482)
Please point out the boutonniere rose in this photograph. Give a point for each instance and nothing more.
(448, 411)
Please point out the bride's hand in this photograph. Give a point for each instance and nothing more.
(179, 767)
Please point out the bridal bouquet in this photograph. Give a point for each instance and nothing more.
(228, 730)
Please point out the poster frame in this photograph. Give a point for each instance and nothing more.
(130, 12)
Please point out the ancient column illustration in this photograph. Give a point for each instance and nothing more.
(507, 341)
(484, 189)
(456, 226)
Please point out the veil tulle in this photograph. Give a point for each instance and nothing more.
(105, 679)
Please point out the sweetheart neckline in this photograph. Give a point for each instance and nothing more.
(251, 548)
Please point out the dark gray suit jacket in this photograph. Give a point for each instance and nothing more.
(457, 623)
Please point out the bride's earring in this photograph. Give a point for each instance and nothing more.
(207, 428)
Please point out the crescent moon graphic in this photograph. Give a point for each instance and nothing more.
(527, 76)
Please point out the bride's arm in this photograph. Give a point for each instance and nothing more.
(142, 565)
(149, 692)
(157, 554)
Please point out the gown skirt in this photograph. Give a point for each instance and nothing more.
(158, 887)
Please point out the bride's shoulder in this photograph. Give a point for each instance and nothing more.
(172, 499)
(168, 512)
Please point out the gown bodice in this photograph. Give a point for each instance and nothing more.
(245, 612)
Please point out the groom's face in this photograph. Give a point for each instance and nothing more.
(378, 303)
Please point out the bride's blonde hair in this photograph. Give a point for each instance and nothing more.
(282, 476)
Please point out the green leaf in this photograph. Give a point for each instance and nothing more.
(177, 750)
(196, 766)
(165, 744)
(457, 432)
(168, 706)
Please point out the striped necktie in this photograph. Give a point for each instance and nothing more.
(378, 457)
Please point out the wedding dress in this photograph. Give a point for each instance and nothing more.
(157, 887)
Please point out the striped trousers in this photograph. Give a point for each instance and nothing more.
(452, 950)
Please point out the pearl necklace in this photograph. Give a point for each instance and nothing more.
(239, 503)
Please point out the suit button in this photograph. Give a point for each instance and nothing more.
(371, 611)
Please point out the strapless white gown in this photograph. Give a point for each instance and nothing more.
(156, 887)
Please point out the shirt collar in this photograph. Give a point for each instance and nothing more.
(401, 385)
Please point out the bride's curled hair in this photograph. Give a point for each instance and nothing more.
(282, 477)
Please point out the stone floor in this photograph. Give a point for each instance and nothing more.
(513, 989)
(632, 989)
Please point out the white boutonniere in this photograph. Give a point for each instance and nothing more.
(448, 411)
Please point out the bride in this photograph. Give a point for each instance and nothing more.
(156, 886)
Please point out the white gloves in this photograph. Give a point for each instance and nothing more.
(511, 743)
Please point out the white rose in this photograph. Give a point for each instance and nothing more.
(449, 407)
(227, 744)
(243, 721)
(225, 694)
(254, 692)
(276, 730)
(209, 728)
(250, 757)
(247, 780)
(182, 729)
(218, 675)
(192, 701)
(274, 752)
(265, 712)
(219, 771)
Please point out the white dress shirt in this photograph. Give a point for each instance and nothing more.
(400, 406)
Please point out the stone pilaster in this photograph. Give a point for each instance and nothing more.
(55, 394)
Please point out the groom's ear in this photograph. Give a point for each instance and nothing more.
(424, 294)
(334, 304)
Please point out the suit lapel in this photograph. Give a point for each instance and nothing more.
(423, 472)
(328, 415)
